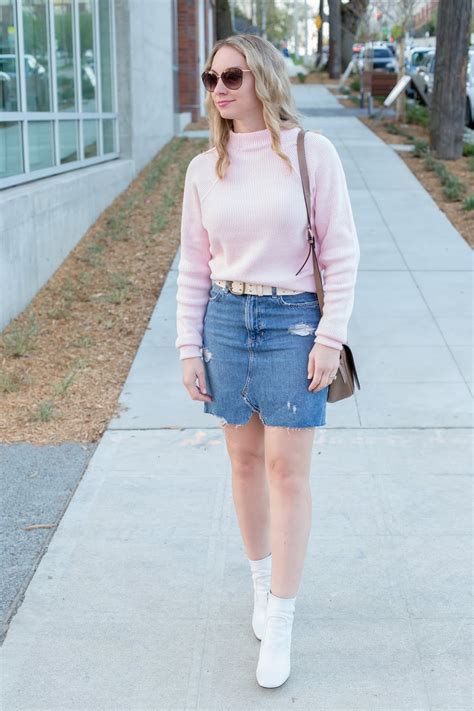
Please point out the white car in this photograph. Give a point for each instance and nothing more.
(470, 90)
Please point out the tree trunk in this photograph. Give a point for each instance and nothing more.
(223, 20)
(448, 103)
(334, 39)
(351, 16)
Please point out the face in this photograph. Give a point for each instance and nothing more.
(241, 105)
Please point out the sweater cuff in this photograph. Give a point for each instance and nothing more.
(325, 341)
(189, 352)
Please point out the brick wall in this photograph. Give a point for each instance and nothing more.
(189, 67)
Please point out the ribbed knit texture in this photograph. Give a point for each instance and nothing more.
(251, 226)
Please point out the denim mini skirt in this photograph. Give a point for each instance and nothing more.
(255, 352)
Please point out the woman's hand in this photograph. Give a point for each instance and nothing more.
(193, 369)
(323, 363)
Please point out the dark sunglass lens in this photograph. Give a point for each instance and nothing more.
(209, 80)
(232, 78)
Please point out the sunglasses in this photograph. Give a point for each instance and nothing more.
(232, 78)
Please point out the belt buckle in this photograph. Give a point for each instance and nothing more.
(239, 289)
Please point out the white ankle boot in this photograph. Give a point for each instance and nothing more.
(261, 577)
(274, 665)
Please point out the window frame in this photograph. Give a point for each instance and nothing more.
(25, 117)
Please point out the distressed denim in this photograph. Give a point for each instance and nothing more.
(255, 353)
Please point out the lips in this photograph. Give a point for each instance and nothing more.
(224, 103)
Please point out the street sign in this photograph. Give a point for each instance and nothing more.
(317, 22)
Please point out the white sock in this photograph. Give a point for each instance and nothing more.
(261, 565)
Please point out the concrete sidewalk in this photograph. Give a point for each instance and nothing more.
(143, 600)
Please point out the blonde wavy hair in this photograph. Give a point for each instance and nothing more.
(272, 87)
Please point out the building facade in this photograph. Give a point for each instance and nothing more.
(90, 90)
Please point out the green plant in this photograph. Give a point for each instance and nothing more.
(20, 341)
(44, 412)
(121, 291)
(468, 203)
(454, 189)
(429, 162)
(468, 149)
(10, 383)
(83, 342)
(301, 77)
(421, 148)
(442, 172)
(61, 387)
(355, 84)
(417, 114)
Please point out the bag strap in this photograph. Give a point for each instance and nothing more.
(307, 199)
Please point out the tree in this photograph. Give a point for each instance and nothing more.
(449, 86)
(334, 39)
(223, 20)
(352, 14)
(401, 15)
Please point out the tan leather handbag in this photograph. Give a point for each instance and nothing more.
(343, 385)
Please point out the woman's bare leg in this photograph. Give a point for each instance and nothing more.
(288, 460)
(245, 446)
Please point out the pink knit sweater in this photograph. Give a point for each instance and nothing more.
(251, 226)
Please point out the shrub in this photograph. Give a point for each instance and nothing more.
(421, 148)
(418, 114)
(468, 203)
(355, 84)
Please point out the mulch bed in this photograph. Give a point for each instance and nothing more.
(81, 332)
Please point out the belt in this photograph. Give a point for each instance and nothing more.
(242, 287)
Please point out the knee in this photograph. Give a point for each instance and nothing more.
(284, 476)
(247, 465)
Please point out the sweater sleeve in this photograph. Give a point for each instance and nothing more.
(339, 251)
(193, 279)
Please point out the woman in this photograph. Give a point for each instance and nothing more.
(250, 331)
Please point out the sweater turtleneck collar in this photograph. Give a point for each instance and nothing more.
(251, 140)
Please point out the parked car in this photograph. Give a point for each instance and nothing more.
(470, 90)
(413, 59)
(423, 78)
(381, 56)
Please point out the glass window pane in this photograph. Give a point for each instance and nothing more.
(11, 157)
(105, 55)
(88, 80)
(8, 63)
(36, 43)
(40, 139)
(90, 138)
(64, 55)
(109, 135)
(68, 141)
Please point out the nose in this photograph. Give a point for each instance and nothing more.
(220, 86)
